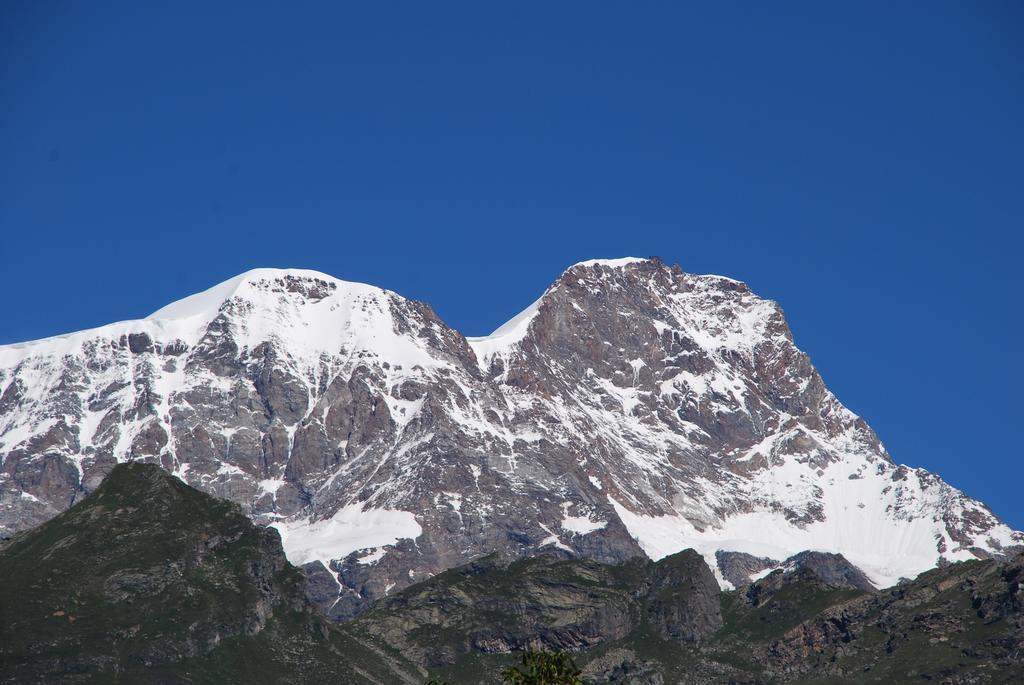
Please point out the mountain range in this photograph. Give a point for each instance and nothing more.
(633, 410)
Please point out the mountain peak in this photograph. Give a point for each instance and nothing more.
(140, 481)
(634, 409)
(504, 338)
(616, 263)
(256, 284)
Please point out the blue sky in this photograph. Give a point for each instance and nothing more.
(863, 165)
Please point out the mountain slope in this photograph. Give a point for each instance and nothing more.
(467, 622)
(632, 409)
(651, 623)
(148, 580)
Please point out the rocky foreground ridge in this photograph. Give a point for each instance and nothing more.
(148, 580)
(632, 410)
(666, 622)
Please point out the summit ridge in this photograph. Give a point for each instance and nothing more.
(633, 409)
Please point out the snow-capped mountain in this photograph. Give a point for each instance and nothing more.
(633, 408)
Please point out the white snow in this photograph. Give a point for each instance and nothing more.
(553, 539)
(373, 557)
(455, 500)
(761, 574)
(229, 470)
(351, 528)
(505, 337)
(581, 525)
(210, 300)
(887, 533)
(354, 316)
(181, 473)
(270, 486)
(613, 263)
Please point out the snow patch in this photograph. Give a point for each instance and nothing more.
(350, 529)
(373, 557)
(553, 539)
(754, 577)
(612, 263)
(580, 525)
(270, 486)
(502, 340)
(886, 549)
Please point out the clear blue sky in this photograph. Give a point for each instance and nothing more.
(862, 163)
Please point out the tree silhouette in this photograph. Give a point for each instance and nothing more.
(544, 668)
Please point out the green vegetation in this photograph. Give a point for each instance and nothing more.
(790, 628)
(151, 581)
(544, 668)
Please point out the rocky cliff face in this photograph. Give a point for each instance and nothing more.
(496, 606)
(633, 409)
(959, 624)
(654, 623)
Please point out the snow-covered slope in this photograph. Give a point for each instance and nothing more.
(633, 408)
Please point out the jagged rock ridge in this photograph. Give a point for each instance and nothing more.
(654, 623)
(632, 409)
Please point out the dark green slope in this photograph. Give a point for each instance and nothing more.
(647, 623)
(465, 624)
(151, 581)
(960, 624)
